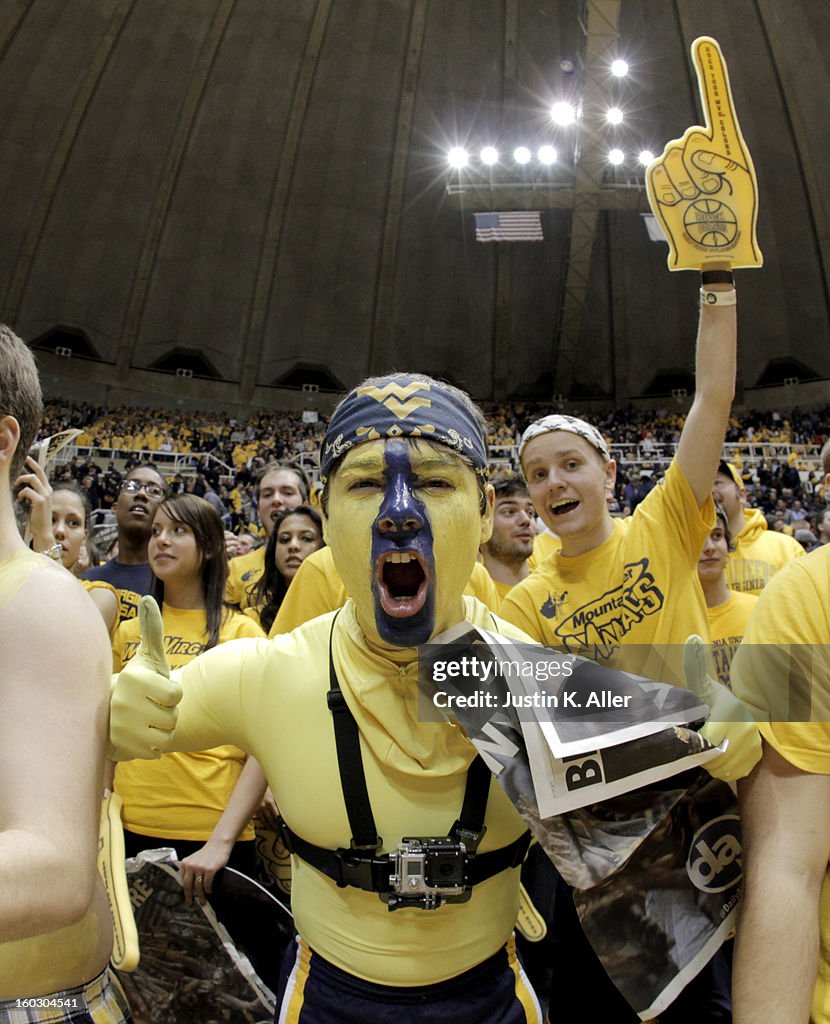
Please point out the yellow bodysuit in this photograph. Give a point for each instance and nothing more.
(269, 698)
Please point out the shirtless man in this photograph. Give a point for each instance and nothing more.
(55, 927)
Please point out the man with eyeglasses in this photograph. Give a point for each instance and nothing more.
(142, 491)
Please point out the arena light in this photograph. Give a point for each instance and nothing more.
(614, 115)
(458, 157)
(546, 155)
(616, 157)
(563, 113)
(489, 156)
(521, 154)
(645, 156)
(619, 68)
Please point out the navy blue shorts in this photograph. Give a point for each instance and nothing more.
(313, 991)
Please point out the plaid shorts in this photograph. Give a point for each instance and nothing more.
(100, 1001)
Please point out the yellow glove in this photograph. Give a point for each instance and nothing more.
(143, 710)
(703, 189)
(729, 718)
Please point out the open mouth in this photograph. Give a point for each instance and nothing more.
(402, 580)
(564, 508)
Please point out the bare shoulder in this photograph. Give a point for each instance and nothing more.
(48, 587)
(50, 620)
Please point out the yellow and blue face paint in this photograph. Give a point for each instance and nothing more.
(404, 525)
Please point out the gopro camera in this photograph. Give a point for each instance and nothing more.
(427, 872)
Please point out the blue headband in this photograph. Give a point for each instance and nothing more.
(401, 407)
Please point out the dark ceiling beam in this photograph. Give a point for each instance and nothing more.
(504, 253)
(381, 341)
(167, 184)
(9, 28)
(772, 15)
(58, 160)
(600, 21)
(254, 341)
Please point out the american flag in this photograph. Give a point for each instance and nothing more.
(515, 226)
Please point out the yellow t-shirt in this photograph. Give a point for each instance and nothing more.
(782, 669)
(502, 589)
(245, 572)
(758, 554)
(180, 796)
(269, 698)
(631, 602)
(727, 624)
(317, 589)
(102, 585)
(544, 544)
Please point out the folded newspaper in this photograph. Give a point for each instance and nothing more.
(605, 767)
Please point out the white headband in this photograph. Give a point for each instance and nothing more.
(570, 424)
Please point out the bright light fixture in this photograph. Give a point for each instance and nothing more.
(616, 157)
(619, 68)
(458, 157)
(489, 155)
(521, 154)
(614, 115)
(645, 157)
(547, 155)
(563, 113)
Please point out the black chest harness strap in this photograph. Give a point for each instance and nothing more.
(361, 865)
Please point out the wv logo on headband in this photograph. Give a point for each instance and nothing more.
(400, 400)
(397, 406)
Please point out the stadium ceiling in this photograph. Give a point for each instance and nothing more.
(262, 186)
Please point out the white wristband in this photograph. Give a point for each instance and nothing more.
(710, 298)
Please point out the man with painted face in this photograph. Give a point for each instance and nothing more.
(406, 507)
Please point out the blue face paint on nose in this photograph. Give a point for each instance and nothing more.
(404, 589)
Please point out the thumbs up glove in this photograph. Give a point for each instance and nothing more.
(729, 718)
(143, 705)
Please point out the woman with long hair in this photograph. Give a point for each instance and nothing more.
(200, 803)
(297, 533)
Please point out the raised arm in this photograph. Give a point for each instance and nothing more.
(702, 439)
(786, 823)
(704, 192)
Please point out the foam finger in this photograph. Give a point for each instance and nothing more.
(716, 97)
(678, 171)
(661, 190)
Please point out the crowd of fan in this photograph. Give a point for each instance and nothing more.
(227, 453)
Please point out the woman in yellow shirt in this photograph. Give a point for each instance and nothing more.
(199, 803)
